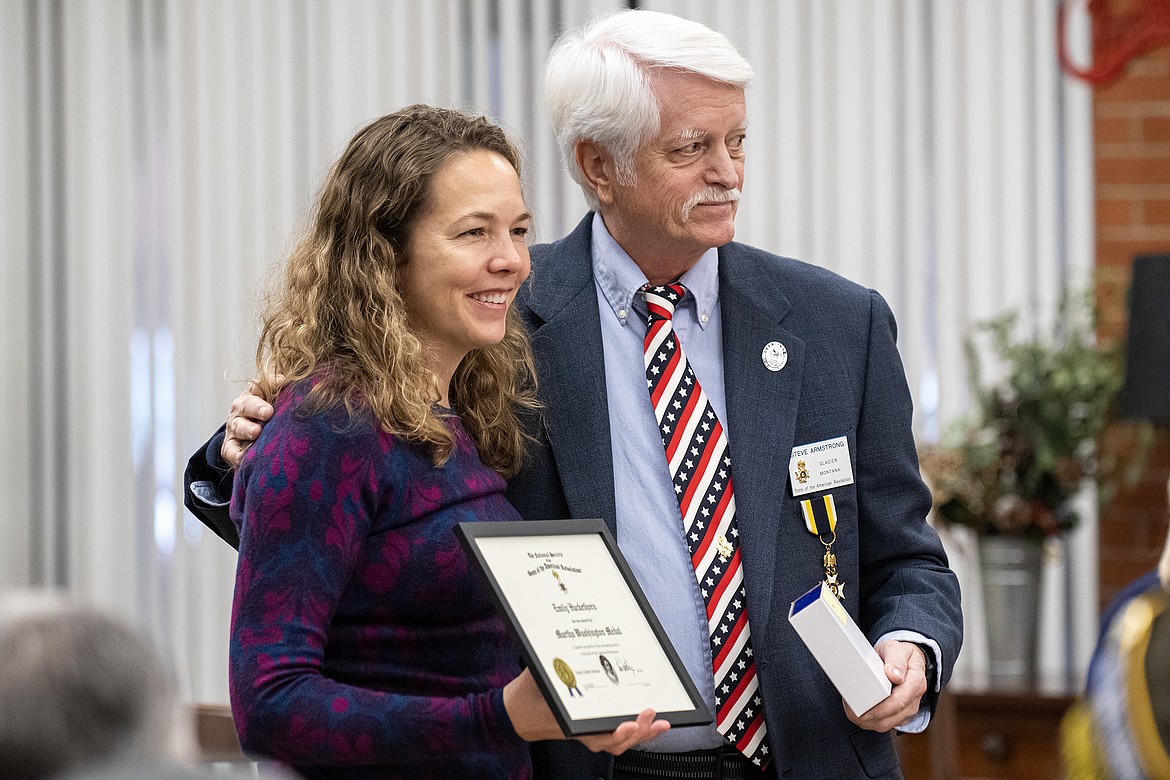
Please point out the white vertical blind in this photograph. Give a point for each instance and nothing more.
(18, 195)
(158, 157)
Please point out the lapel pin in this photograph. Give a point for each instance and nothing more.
(775, 356)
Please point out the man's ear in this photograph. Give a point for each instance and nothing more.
(596, 166)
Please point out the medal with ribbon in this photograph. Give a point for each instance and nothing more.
(820, 518)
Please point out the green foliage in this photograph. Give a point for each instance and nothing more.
(1031, 441)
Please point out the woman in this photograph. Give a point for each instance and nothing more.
(363, 641)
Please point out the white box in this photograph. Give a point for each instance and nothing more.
(840, 648)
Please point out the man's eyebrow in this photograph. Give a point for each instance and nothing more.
(691, 134)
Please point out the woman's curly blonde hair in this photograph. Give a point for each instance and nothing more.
(338, 315)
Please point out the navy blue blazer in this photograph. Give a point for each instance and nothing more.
(843, 378)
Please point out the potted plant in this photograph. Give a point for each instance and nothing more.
(1009, 469)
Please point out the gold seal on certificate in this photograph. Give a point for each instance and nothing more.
(594, 646)
(565, 672)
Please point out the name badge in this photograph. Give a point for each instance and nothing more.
(819, 466)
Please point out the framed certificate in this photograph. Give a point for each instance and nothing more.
(593, 644)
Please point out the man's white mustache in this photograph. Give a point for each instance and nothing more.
(710, 195)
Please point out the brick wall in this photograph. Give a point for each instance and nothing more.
(1131, 121)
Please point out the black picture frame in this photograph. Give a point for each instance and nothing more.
(471, 534)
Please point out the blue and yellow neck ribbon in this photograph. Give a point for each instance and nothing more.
(824, 526)
(820, 527)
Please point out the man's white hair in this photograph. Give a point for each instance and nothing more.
(596, 83)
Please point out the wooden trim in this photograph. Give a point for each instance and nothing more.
(215, 734)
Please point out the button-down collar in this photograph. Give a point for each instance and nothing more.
(619, 278)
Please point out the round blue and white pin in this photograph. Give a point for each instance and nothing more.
(775, 356)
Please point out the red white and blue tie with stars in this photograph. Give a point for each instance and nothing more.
(700, 467)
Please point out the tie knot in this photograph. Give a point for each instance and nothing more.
(661, 299)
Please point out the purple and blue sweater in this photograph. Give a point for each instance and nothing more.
(364, 643)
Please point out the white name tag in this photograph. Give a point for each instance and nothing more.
(822, 465)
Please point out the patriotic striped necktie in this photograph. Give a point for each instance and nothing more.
(700, 467)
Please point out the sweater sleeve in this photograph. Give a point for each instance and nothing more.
(303, 501)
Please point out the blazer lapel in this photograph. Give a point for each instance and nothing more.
(761, 411)
(566, 342)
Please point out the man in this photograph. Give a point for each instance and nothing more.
(648, 299)
(80, 690)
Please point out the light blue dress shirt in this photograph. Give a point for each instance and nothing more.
(649, 521)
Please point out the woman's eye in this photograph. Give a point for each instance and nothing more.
(474, 232)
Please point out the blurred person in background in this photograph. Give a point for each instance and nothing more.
(1120, 727)
(80, 689)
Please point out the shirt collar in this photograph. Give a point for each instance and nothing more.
(620, 278)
